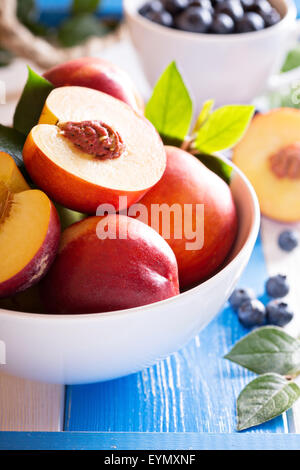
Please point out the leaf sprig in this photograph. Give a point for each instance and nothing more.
(170, 110)
(269, 351)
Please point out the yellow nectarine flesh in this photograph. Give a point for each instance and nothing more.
(10, 175)
(23, 228)
(269, 155)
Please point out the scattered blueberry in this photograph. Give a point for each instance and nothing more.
(250, 22)
(278, 313)
(211, 16)
(195, 20)
(222, 24)
(252, 313)
(277, 286)
(240, 296)
(288, 240)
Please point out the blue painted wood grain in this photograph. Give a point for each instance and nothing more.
(146, 441)
(194, 390)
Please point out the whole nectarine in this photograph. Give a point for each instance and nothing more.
(203, 219)
(107, 264)
(97, 73)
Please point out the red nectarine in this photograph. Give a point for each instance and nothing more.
(107, 264)
(93, 72)
(187, 183)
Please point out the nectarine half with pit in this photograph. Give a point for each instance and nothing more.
(29, 231)
(91, 148)
(269, 155)
(109, 263)
(97, 73)
(203, 219)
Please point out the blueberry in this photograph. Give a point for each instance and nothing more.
(222, 24)
(232, 8)
(175, 6)
(239, 296)
(194, 19)
(288, 240)
(252, 313)
(277, 286)
(202, 3)
(261, 7)
(278, 313)
(247, 4)
(271, 18)
(250, 22)
(161, 17)
(151, 7)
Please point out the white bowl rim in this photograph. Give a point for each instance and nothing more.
(291, 13)
(253, 232)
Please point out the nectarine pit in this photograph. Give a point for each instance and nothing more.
(94, 137)
(6, 201)
(286, 162)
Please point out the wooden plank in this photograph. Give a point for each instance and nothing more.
(194, 390)
(280, 262)
(147, 441)
(30, 406)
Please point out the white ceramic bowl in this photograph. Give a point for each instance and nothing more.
(232, 68)
(88, 348)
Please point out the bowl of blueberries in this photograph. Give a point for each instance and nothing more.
(226, 49)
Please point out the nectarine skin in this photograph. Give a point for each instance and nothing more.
(187, 181)
(92, 72)
(39, 265)
(92, 275)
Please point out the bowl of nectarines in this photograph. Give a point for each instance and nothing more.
(154, 244)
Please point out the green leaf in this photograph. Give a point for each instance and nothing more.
(224, 128)
(204, 115)
(218, 166)
(12, 142)
(85, 6)
(31, 103)
(292, 60)
(265, 398)
(170, 107)
(77, 29)
(68, 217)
(267, 349)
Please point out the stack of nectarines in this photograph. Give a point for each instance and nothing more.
(94, 152)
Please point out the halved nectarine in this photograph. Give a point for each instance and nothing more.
(109, 263)
(29, 231)
(269, 155)
(91, 148)
(10, 175)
